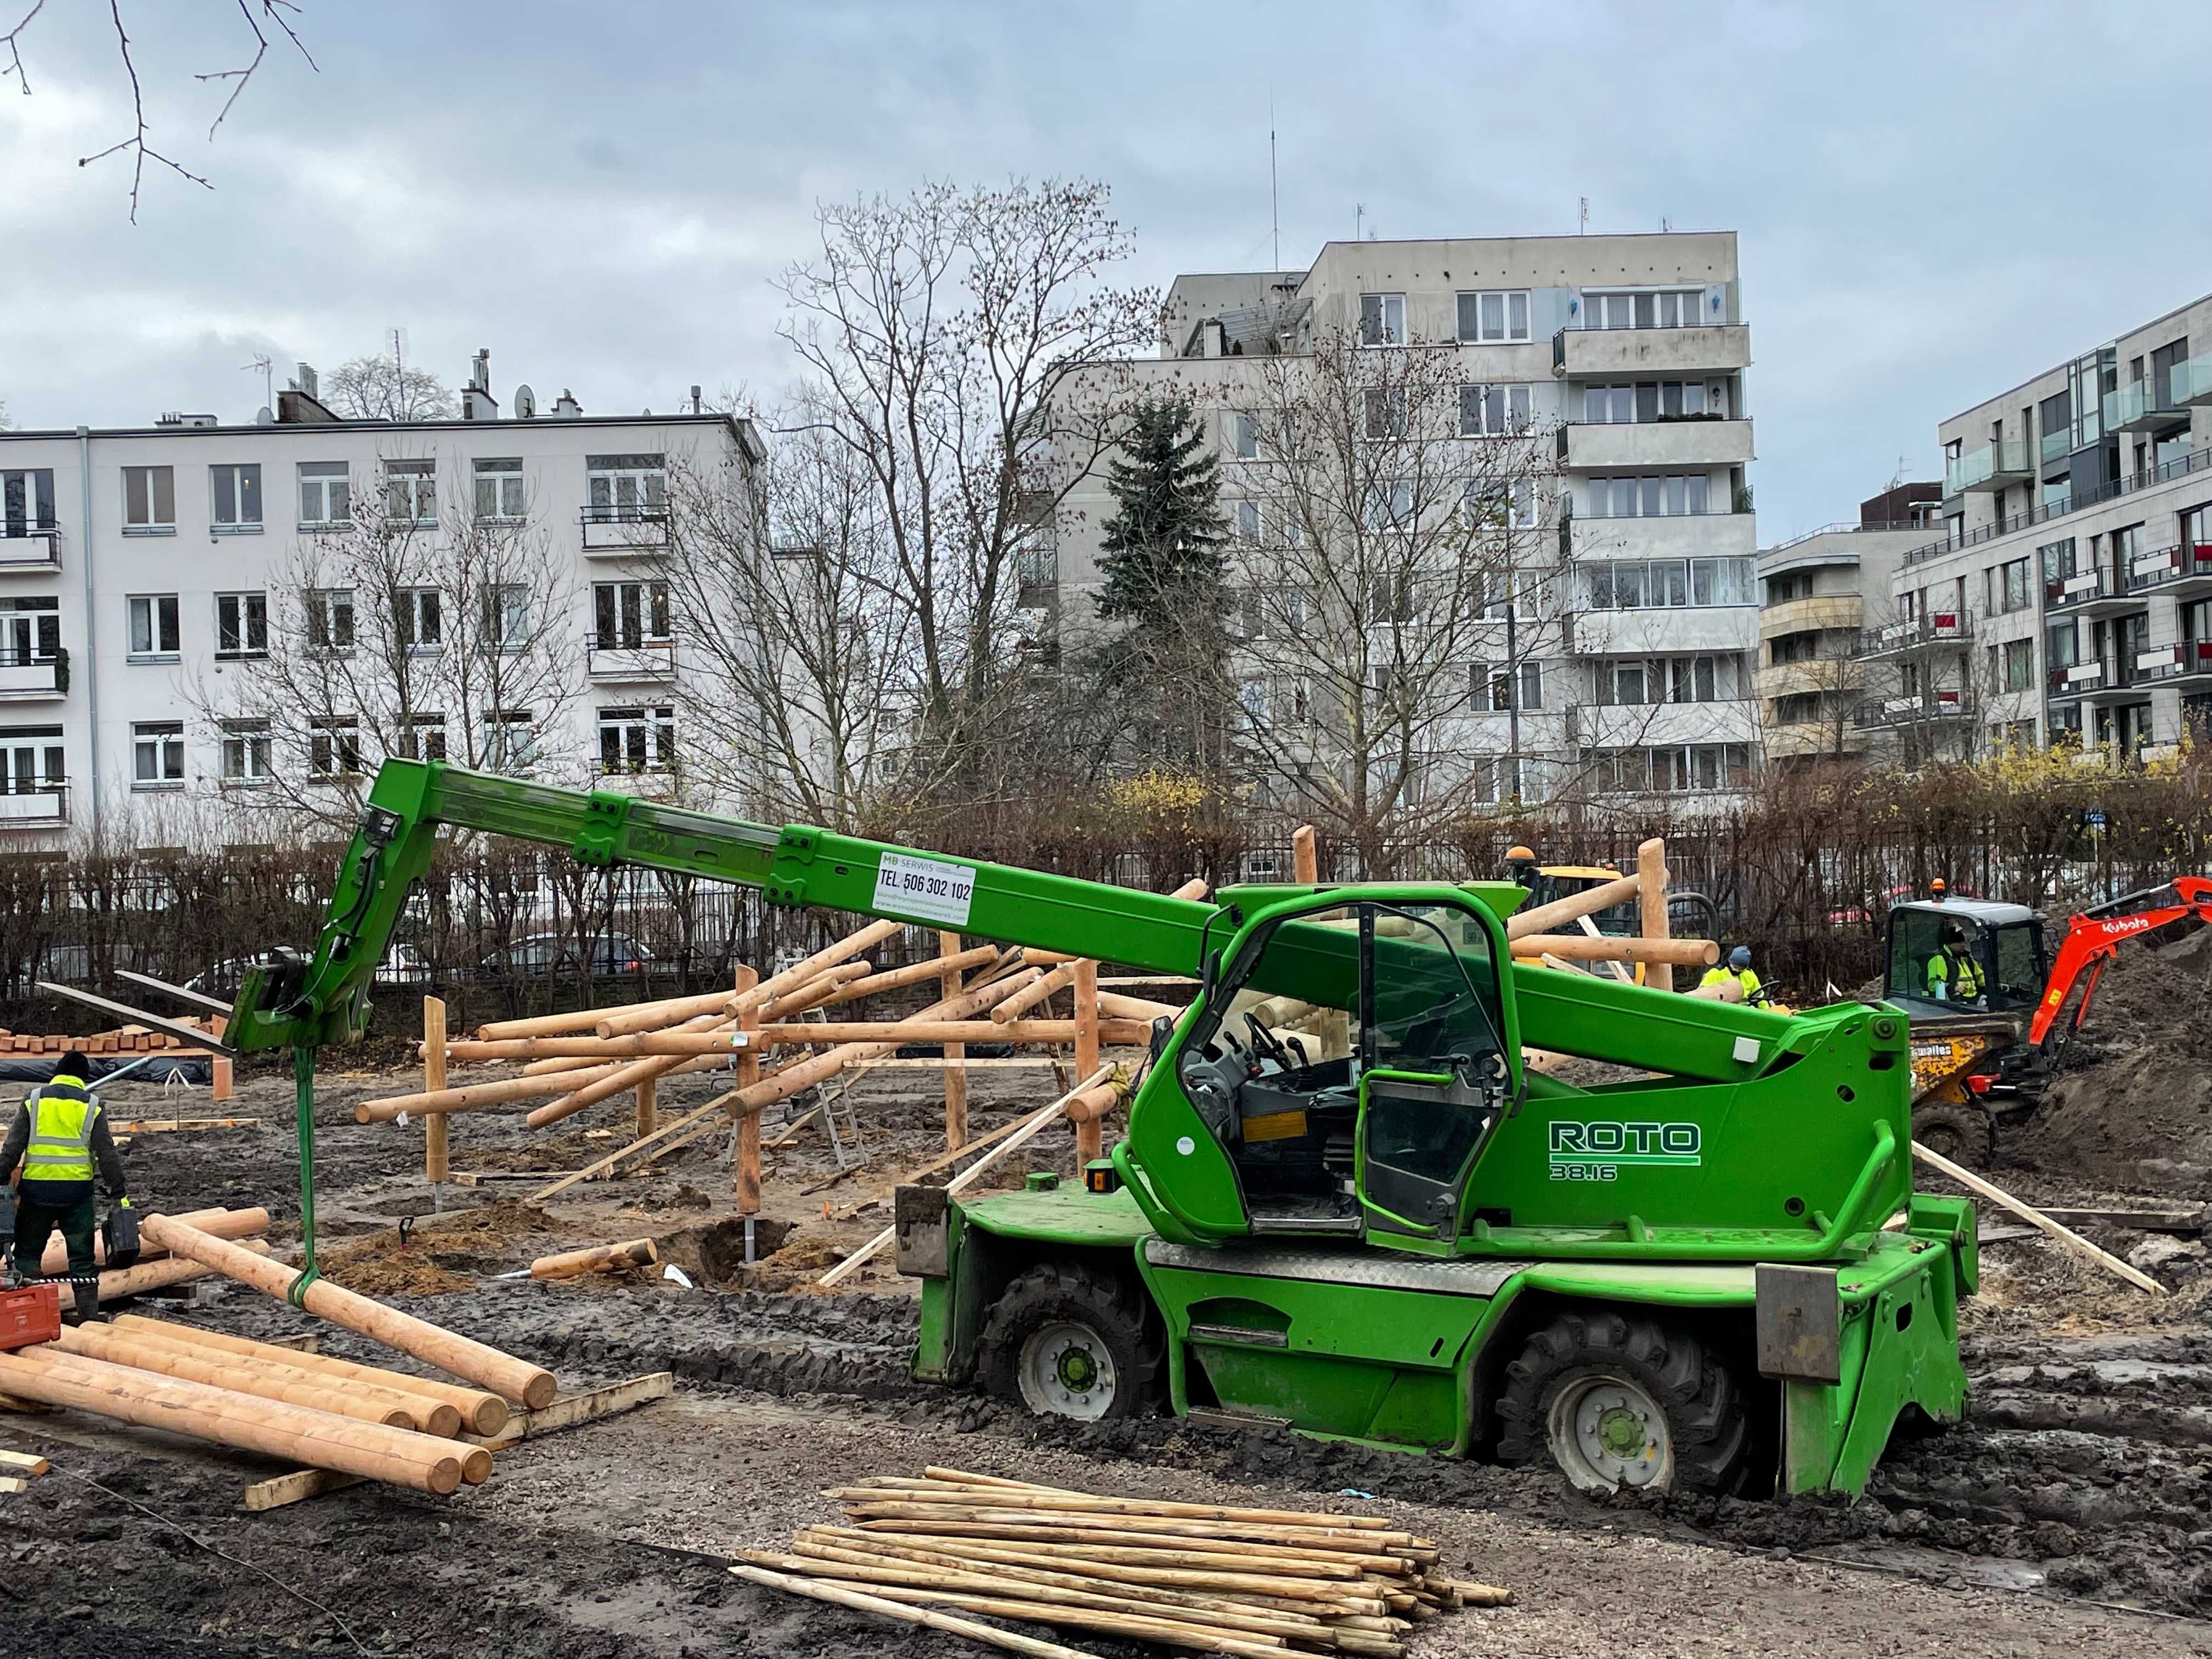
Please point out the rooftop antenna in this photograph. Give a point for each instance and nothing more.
(1584, 225)
(261, 360)
(1274, 200)
(1358, 218)
(1666, 225)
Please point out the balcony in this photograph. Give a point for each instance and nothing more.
(28, 551)
(1935, 707)
(1672, 630)
(1993, 466)
(1662, 536)
(1036, 579)
(1655, 446)
(2110, 678)
(1805, 740)
(34, 678)
(2186, 573)
(1718, 349)
(2138, 408)
(32, 806)
(2091, 593)
(1827, 677)
(1822, 613)
(2191, 382)
(626, 532)
(1936, 628)
(2056, 446)
(2189, 660)
(1639, 724)
(636, 660)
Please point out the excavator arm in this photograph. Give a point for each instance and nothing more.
(2093, 938)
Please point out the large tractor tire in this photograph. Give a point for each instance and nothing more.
(1621, 1399)
(1957, 1129)
(1069, 1340)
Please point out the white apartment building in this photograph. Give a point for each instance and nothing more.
(1636, 673)
(2070, 597)
(141, 570)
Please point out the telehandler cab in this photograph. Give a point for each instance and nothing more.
(1343, 1205)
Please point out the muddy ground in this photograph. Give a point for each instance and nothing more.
(2074, 1511)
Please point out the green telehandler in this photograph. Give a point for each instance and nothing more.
(1343, 1205)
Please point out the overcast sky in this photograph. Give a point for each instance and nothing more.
(1933, 201)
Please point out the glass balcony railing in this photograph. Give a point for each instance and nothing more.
(1990, 467)
(2191, 382)
(2057, 445)
(2137, 407)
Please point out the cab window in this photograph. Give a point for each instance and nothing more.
(2019, 966)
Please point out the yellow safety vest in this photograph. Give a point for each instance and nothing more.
(1942, 967)
(62, 1117)
(1753, 989)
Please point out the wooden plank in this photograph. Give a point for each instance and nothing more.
(612, 1159)
(162, 1126)
(2147, 1221)
(11, 1483)
(2028, 1212)
(22, 1463)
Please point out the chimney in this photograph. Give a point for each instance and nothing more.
(476, 402)
(568, 408)
(696, 408)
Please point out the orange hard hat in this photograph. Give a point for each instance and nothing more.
(1519, 854)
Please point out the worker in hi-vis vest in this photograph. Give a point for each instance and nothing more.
(1954, 976)
(1737, 971)
(59, 1136)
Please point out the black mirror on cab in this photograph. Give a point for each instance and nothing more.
(1163, 1034)
(1209, 974)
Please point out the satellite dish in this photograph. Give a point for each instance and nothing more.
(265, 416)
(525, 404)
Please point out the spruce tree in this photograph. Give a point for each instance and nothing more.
(1163, 548)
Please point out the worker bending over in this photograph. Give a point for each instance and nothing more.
(58, 1134)
(1954, 976)
(1738, 972)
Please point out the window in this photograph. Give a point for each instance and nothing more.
(334, 746)
(626, 614)
(153, 624)
(510, 741)
(30, 632)
(1630, 682)
(1488, 317)
(31, 759)
(246, 752)
(235, 491)
(330, 619)
(157, 755)
(1675, 308)
(637, 739)
(1494, 411)
(1389, 506)
(422, 737)
(1666, 496)
(499, 490)
(627, 487)
(506, 619)
(1675, 768)
(1390, 596)
(419, 621)
(27, 501)
(149, 500)
(1386, 413)
(1491, 505)
(1532, 686)
(1662, 584)
(325, 503)
(410, 492)
(1649, 400)
(2008, 586)
(2019, 664)
(1382, 319)
(1244, 437)
(1247, 522)
(241, 625)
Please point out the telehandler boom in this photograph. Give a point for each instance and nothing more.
(1343, 1205)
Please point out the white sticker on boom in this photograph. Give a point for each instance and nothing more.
(926, 889)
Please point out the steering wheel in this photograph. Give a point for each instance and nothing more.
(1267, 1044)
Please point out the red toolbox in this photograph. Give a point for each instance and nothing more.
(33, 1314)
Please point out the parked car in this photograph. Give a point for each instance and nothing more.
(403, 965)
(558, 954)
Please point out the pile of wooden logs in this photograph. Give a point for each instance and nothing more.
(1211, 1578)
(1534, 938)
(157, 1268)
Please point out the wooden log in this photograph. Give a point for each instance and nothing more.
(806, 1034)
(119, 1284)
(1112, 1004)
(764, 991)
(1606, 947)
(1651, 913)
(955, 1071)
(1038, 990)
(1728, 990)
(515, 1379)
(97, 1341)
(222, 1223)
(480, 1410)
(1305, 857)
(434, 1145)
(914, 973)
(821, 989)
(597, 1259)
(648, 1107)
(425, 1412)
(1089, 1139)
(2073, 1241)
(745, 1176)
(471, 1097)
(989, 1635)
(1031, 1127)
(230, 1419)
(1093, 1104)
(586, 1019)
(1545, 917)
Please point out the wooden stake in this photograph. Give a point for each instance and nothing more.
(1545, 917)
(956, 1074)
(596, 1259)
(1090, 1138)
(746, 1179)
(1651, 912)
(1606, 947)
(989, 1635)
(434, 1080)
(648, 1107)
(1305, 857)
(2073, 1241)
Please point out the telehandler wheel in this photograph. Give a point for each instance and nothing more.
(1621, 1399)
(1066, 1340)
(1958, 1130)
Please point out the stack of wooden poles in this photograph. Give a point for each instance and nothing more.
(155, 1268)
(1213, 1578)
(595, 1054)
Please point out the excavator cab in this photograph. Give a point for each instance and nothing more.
(1952, 958)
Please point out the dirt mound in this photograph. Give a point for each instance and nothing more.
(714, 1253)
(442, 1253)
(378, 1267)
(2131, 1105)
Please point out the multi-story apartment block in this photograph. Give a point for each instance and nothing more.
(1628, 663)
(147, 574)
(1813, 631)
(2076, 566)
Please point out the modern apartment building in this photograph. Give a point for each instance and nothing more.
(1633, 645)
(1813, 631)
(147, 575)
(2075, 569)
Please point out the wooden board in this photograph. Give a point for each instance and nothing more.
(22, 1463)
(10, 1483)
(568, 1413)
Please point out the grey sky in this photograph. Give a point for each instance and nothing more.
(1933, 202)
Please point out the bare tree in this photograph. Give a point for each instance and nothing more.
(1396, 572)
(800, 653)
(385, 388)
(942, 331)
(419, 628)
